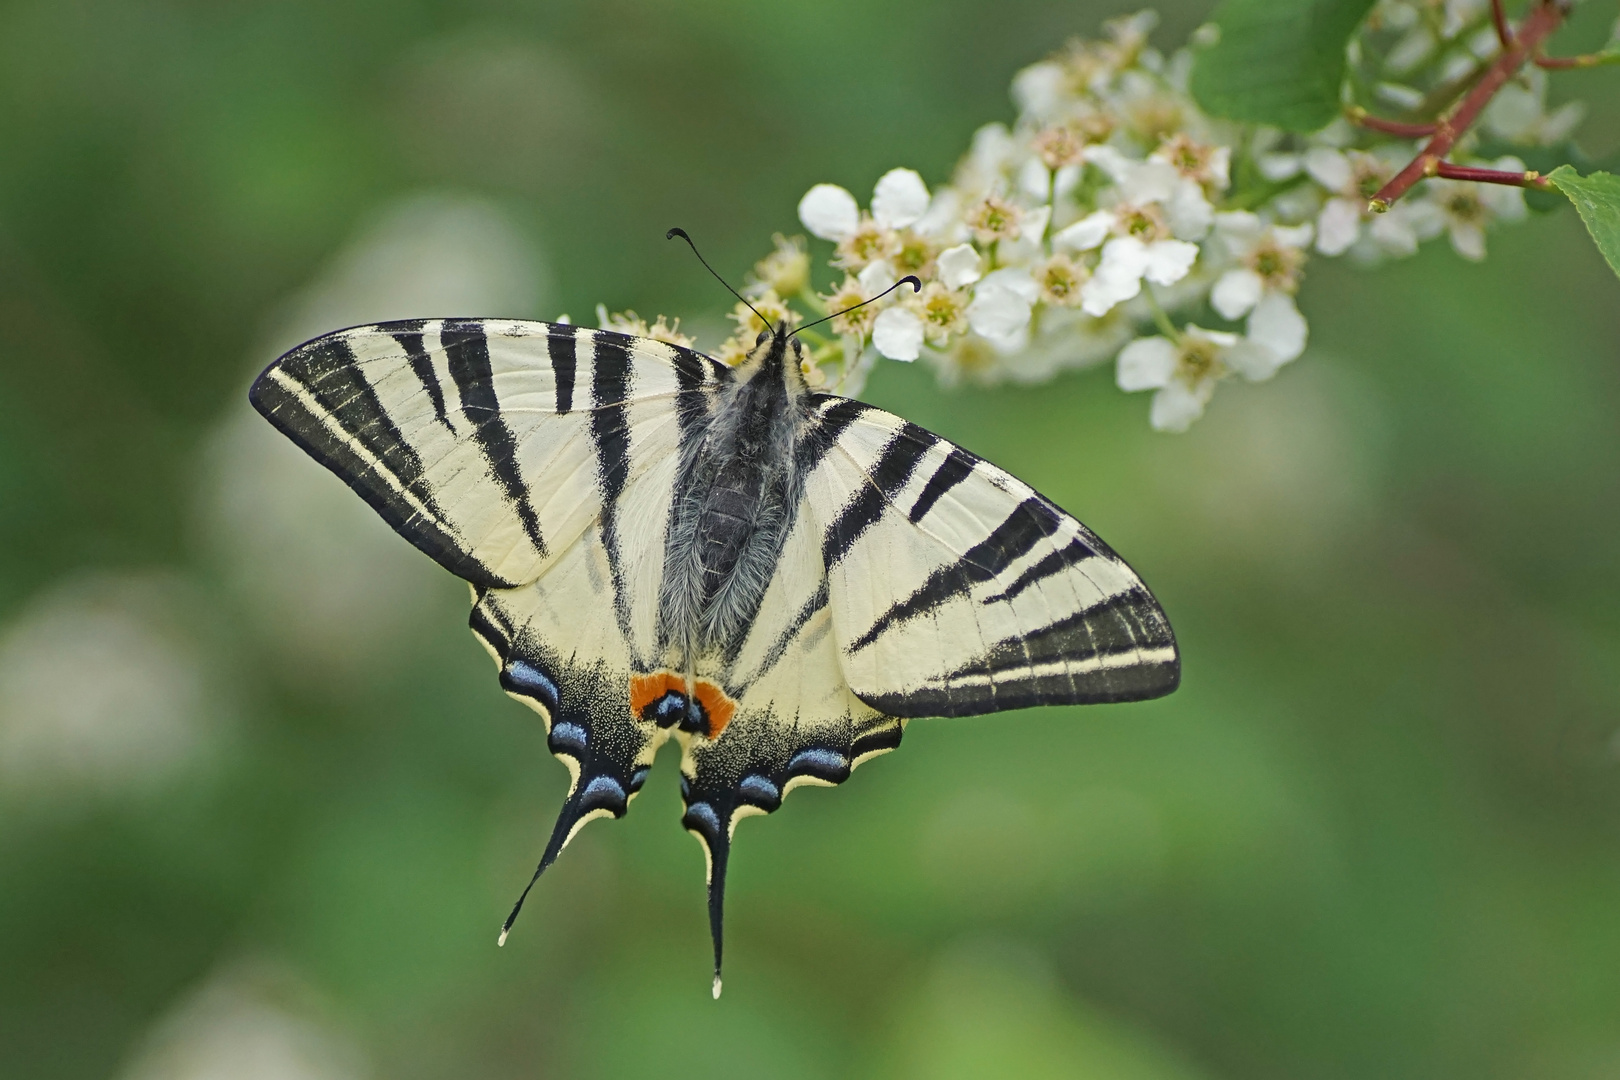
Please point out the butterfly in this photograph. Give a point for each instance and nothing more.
(659, 545)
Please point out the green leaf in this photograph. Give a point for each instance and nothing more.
(1597, 198)
(1278, 62)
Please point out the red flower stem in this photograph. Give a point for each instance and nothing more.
(1564, 63)
(1542, 21)
(1499, 18)
(1362, 118)
(1531, 179)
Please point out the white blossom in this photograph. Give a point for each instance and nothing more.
(1518, 112)
(829, 212)
(1140, 183)
(1001, 305)
(1126, 261)
(1183, 373)
(960, 266)
(1345, 221)
(1262, 285)
(1041, 89)
(898, 333)
(1275, 333)
(1033, 258)
(900, 199)
(876, 277)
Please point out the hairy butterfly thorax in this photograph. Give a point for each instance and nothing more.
(660, 546)
(736, 494)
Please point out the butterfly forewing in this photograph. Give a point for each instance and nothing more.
(479, 441)
(956, 589)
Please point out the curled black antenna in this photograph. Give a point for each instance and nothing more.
(916, 286)
(673, 233)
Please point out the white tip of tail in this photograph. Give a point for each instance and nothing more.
(501, 941)
(717, 988)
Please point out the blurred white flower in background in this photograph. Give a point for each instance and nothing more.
(1184, 372)
(1464, 210)
(330, 586)
(1519, 112)
(102, 690)
(430, 254)
(252, 1022)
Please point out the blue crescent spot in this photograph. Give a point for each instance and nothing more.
(569, 737)
(826, 764)
(704, 814)
(760, 791)
(522, 677)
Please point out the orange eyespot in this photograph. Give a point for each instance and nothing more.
(660, 697)
(719, 707)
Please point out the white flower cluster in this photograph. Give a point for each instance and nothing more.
(1113, 207)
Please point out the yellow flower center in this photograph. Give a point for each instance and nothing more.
(1145, 223)
(1465, 207)
(1199, 360)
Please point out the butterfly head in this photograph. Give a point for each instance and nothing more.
(775, 350)
(776, 346)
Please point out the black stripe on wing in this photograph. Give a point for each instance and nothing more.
(610, 434)
(833, 415)
(1073, 553)
(466, 349)
(1126, 637)
(1118, 649)
(1032, 521)
(894, 466)
(410, 338)
(957, 467)
(367, 451)
(562, 347)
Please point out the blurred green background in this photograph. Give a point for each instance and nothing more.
(263, 806)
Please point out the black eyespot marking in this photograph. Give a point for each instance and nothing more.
(671, 710)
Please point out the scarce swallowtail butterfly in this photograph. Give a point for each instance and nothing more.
(661, 545)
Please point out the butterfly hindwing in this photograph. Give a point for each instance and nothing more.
(561, 652)
(956, 589)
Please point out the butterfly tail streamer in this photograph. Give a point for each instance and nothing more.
(559, 839)
(586, 801)
(717, 907)
(702, 821)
